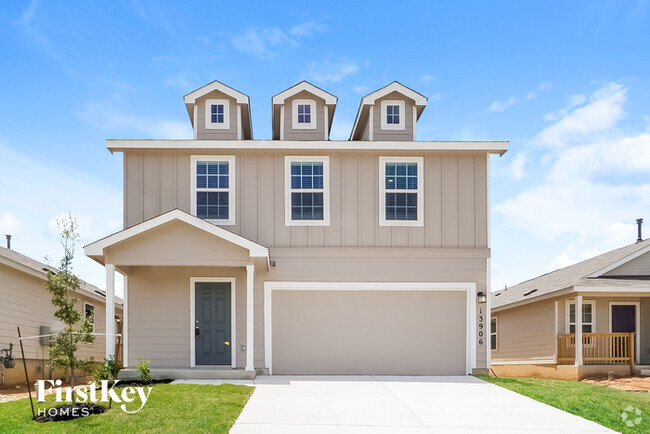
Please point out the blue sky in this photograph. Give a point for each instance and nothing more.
(567, 83)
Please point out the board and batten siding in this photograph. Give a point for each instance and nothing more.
(526, 334)
(26, 303)
(455, 198)
(216, 134)
(317, 133)
(393, 135)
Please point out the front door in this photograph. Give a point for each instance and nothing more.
(212, 327)
(623, 318)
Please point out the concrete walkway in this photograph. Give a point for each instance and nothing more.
(383, 404)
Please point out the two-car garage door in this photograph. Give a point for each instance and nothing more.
(368, 332)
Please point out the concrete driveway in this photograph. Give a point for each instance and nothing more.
(384, 404)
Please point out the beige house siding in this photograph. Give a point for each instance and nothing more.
(455, 203)
(393, 135)
(158, 297)
(525, 333)
(307, 134)
(636, 267)
(216, 134)
(26, 303)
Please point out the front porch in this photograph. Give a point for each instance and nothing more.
(597, 349)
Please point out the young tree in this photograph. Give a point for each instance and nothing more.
(77, 329)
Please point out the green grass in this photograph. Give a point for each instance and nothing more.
(600, 404)
(170, 408)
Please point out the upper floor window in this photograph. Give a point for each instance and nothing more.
(89, 313)
(392, 115)
(588, 310)
(213, 192)
(307, 191)
(217, 114)
(401, 191)
(304, 114)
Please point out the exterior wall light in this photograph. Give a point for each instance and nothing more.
(482, 298)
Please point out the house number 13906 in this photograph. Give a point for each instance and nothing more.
(481, 326)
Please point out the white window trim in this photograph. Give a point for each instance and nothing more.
(288, 221)
(226, 114)
(402, 115)
(231, 186)
(567, 324)
(383, 191)
(233, 312)
(637, 324)
(94, 312)
(495, 333)
(469, 288)
(313, 118)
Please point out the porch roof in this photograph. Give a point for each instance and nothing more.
(155, 227)
(584, 276)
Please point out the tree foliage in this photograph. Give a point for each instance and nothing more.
(62, 285)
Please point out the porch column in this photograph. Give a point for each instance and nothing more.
(110, 310)
(250, 317)
(578, 330)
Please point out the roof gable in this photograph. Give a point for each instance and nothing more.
(304, 86)
(191, 97)
(419, 99)
(96, 250)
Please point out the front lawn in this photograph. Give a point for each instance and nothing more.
(600, 404)
(170, 408)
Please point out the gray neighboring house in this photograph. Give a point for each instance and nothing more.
(534, 326)
(25, 303)
(300, 254)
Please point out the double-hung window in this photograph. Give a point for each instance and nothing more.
(588, 313)
(392, 115)
(401, 191)
(304, 114)
(493, 333)
(217, 114)
(89, 313)
(213, 188)
(307, 191)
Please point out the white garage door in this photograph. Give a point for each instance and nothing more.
(368, 332)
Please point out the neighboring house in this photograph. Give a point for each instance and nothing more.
(26, 303)
(535, 327)
(301, 255)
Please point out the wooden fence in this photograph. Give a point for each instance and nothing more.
(597, 349)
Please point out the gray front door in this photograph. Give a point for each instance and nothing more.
(212, 327)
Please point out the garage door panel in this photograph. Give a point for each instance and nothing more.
(368, 332)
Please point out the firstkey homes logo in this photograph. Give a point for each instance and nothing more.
(131, 399)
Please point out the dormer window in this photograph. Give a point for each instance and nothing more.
(304, 114)
(217, 114)
(392, 115)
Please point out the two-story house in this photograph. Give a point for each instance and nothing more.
(303, 255)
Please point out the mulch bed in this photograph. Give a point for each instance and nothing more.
(631, 384)
(140, 383)
(69, 412)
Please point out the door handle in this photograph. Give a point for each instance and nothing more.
(227, 343)
(197, 332)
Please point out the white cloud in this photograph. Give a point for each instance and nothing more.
(106, 116)
(178, 81)
(28, 13)
(332, 71)
(427, 79)
(360, 89)
(597, 184)
(498, 106)
(516, 169)
(265, 42)
(435, 97)
(51, 191)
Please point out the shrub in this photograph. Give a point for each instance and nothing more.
(108, 370)
(144, 371)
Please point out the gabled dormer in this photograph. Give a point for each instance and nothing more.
(389, 114)
(219, 112)
(303, 112)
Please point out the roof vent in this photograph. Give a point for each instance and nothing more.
(497, 294)
(9, 240)
(639, 223)
(530, 292)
